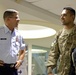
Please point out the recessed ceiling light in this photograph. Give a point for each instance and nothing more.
(35, 31)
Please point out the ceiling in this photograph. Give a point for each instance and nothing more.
(40, 12)
(53, 5)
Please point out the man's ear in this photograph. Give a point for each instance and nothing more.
(73, 17)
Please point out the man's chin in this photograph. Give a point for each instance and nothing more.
(63, 24)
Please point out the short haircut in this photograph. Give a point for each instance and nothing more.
(9, 13)
(70, 9)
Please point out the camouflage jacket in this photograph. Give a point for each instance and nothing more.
(61, 49)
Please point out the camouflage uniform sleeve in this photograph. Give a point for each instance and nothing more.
(53, 55)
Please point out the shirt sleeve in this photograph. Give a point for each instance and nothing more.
(54, 53)
(22, 43)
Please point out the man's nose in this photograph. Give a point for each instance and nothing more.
(18, 19)
(61, 17)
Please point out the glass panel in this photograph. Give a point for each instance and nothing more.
(39, 57)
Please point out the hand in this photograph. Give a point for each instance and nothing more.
(1, 63)
(18, 64)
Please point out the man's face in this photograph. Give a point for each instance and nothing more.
(66, 17)
(14, 20)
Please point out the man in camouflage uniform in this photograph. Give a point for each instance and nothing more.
(64, 43)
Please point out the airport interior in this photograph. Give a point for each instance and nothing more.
(39, 23)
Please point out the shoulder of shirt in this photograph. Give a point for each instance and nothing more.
(74, 29)
(59, 32)
(18, 33)
(1, 27)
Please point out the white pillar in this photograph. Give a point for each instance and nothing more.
(29, 59)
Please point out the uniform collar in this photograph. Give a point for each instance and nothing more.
(70, 31)
(7, 29)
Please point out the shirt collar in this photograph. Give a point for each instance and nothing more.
(7, 29)
(68, 31)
